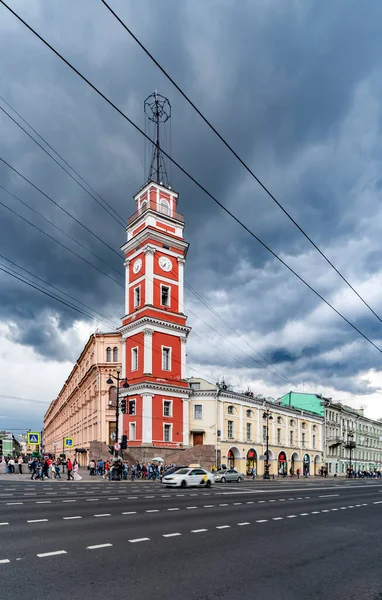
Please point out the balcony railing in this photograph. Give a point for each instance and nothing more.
(152, 205)
(335, 441)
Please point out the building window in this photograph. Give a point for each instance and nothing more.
(115, 354)
(291, 437)
(167, 437)
(303, 425)
(164, 207)
(198, 411)
(279, 436)
(108, 354)
(249, 431)
(137, 296)
(314, 441)
(195, 386)
(230, 429)
(134, 359)
(249, 413)
(314, 427)
(166, 359)
(132, 407)
(132, 432)
(112, 396)
(303, 440)
(230, 410)
(167, 408)
(292, 423)
(279, 420)
(264, 433)
(165, 295)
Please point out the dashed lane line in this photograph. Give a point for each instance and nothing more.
(223, 527)
(4, 561)
(262, 521)
(304, 514)
(55, 553)
(198, 530)
(130, 512)
(3, 524)
(329, 496)
(37, 521)
(277, 518)
(172, 509)
(103, 515)
(136, 540)
(169, 535)
(245, 523)
(153, 510)
(70, 518)
(97, 546)
(191, 507)
(291, 516)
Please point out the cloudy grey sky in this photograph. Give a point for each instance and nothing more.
(295, 87)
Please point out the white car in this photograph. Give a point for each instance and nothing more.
(189, 477)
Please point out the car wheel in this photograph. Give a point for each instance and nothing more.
(223, 480)
(208, 484)
(183, 484)
(239, 480)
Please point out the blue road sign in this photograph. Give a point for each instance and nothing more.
(33, 438)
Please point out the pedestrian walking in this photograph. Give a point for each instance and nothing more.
(20, 463)
(76, 474)
(69, 465)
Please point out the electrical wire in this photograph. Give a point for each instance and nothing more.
(119, 220)
(236, 155)
(199, 185)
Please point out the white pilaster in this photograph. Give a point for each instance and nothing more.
(186, 425)
(241, 435)
(123, 356)
(147, 418)
(181, 263)
(148, 351)
(149, 281)
(127, 281)
(221, 424)
(183, 354)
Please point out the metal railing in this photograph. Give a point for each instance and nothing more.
(152, 205)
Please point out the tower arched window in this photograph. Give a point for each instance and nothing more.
(112, 396)
(164, 206)
(108, 354)
(115, 354)
(144, 206)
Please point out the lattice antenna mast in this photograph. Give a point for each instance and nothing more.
(158, 110)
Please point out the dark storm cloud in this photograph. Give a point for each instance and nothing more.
(281, 81)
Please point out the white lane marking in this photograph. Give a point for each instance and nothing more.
(44, 502)
(245, 523)
(247, 503)
(271, 501)
(45, 554)
(191, 507)
(172, 509)
(325, 510)
(223, 526)
(4, 560)
(290, 498)
(379, 502)
(291, 516)
(306, 497)
(262, 521)
(168, 535)
(179, 495)
(37, 521)
(334, 509)
(92, 499)
(315, 512)
(12, 503)
(364, 504)
(145, 539)
(358, 505)
(98, 546)
(343, 507)
(351, 506)
(132, 512)
(282, 500)
(69, 500)
(132, 497)
(198, 530)
(68, 518)
(223, 504)
(103, 515)
(208, 505)
(261, 501)
(329, 496)
(304, 514)
(164, 496)
(298, 498)
(277, 518)
(116, 498)
(237, 503)
(153, 510)
(4, 524)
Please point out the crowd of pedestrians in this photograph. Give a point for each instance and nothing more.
(117, 468)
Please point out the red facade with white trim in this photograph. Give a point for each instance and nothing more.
(154, 330)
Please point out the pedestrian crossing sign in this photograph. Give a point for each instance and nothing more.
(34, 438)
(68, 442)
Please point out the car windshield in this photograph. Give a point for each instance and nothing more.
(221, 471)
(181, 471)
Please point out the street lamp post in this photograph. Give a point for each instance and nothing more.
(350, 446)
(267, 416)
(125, 384)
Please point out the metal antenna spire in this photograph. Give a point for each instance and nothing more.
(158, 110)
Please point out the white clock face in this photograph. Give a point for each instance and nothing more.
(137, 265)
(165, 263)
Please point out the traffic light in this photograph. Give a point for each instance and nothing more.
(123, 406)
(124, 442)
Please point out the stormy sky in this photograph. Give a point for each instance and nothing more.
(295, 87)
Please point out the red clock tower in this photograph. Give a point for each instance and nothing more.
(154, 330)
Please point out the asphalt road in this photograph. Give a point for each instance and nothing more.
(287, 540)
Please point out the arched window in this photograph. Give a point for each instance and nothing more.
(115, 354)
(108, 354)
(144, 206)
(164, 207)
(230, 410)
(279, 420)
(249, 413)
(112, 396)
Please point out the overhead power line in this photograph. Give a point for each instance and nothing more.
(60, 207)
(236, 155)
(199, 185)
(118, 219)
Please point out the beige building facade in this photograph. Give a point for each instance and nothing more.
(236, 425)
(84, 410)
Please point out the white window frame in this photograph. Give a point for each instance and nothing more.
(291, 438)
(162, 285)
(278, 433)
(230, 437)
(134, 352)
(249, 427)
(170, 429)
(171, 403)
(169, 358)
(199, 406)
(166, 205)
(133, 426)
(137, 288)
